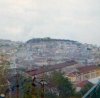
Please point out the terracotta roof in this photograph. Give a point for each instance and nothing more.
(72, 74)
(83, 83)
(87, 69)
(50, 68)
(83, 70)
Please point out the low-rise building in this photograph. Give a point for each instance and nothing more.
(84, 73)
(63, 67)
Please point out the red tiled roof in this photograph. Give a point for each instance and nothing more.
(83, 83)
(72, 74)
(86, 69)
(35, 71)
(50, 68)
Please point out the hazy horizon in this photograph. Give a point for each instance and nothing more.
(51, 38)
(77, 20)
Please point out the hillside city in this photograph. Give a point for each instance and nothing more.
(39, 57)
(46, 51)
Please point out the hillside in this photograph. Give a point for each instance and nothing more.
(47, 51)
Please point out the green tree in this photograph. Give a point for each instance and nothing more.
(4, 66)
(50, 95)
(86, 88)
(28, 89)
(64, 87)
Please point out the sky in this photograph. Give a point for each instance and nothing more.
(21, 20)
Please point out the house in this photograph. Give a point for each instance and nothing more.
(63, 67)
(73, 76)
(82, 84)
(84, 73)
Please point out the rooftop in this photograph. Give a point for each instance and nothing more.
(50, 68)
(87, 69)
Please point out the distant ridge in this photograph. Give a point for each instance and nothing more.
(47, 39)
(44, 50)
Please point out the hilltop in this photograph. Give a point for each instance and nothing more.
(48, 51)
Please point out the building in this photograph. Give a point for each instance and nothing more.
(82, 84)
(84, 73)
(65, 67)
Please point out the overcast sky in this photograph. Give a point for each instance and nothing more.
(66, 19)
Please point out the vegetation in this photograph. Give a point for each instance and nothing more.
(50, 95)
(32, 89)
(60, 87)
(64, 88)
(86, 88)
(4, 66)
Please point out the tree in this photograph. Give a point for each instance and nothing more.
(27, 87)
(4, 66)
(50, 95)
(64, 87)
(86, 88)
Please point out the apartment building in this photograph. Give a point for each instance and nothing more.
(84, 73)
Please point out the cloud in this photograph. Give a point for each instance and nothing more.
(68, 19)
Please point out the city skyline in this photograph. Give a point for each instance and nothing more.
(77, 20)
